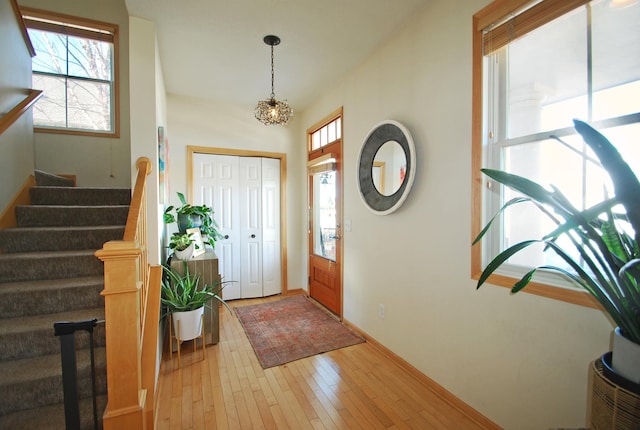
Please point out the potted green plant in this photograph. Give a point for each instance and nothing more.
(605, 236)
(182, 245)
(185, 299)
(193, 216)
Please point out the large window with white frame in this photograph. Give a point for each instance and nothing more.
(76, 68)
(537, 66)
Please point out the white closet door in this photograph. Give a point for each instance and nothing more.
(251, 227)
(217, 184)
(271, 255)
(244, 193)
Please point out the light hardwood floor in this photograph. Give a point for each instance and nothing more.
(356, 387)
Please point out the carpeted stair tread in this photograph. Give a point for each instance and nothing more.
(27, 266)
(44, 380)
(58, 215)
(26, 337)
(51, 417)
(44, 295)
(29, 239)
(73, 196)
(41, 367)
(45, 322)
(46, 284)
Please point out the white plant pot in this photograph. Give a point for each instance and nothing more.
(625, 359)
(188, 325)
(185, 254)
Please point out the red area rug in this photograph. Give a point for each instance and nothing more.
(291, 329)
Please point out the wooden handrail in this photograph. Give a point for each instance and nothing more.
(132, 306)
(136, 228)
(18, 110)
(23, 28)
(135, 212)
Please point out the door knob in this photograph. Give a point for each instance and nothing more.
(226, 236)
(253, 236)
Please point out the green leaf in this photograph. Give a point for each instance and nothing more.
(574, 221)
(625, 182)
(612, 240)
(502, 209)
(524, 281)
(183, 200)
(501, 258)
(528, 188)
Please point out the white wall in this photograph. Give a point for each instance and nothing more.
(522, 361)
(196, 122)
(96, 161)
(147, 113)
(16, 143)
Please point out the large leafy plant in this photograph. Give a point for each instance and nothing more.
(208, 226)
(601, 235)
(181, 292)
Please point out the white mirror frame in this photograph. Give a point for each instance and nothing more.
(380, 134)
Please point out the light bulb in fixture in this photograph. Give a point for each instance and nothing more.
(619, 4)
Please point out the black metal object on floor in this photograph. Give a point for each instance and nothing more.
(66, 331)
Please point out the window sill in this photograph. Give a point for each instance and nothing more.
(112, 135)
(581, 298)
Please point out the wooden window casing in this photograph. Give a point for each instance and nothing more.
(88, 29)
(494, 27)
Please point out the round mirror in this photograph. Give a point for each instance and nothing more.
(389, 158)
(386, 167)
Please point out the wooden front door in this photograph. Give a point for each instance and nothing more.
(325, 229)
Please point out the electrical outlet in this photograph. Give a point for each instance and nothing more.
(381, 311)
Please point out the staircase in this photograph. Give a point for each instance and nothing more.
(49, 273)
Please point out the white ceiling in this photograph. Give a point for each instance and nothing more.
(214, 49)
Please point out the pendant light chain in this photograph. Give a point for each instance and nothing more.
(273, 93)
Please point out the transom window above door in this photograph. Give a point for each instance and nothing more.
(327, 134)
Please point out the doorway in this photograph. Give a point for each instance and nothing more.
(324, 167)
(245, 190)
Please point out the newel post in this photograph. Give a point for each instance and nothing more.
(126, 399)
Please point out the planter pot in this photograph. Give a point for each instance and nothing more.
(615, 401)
(626, 357)
(187, 325)
(189, 221)
(615, 378)
(185, 254)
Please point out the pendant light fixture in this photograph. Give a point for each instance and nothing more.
(272, 111)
